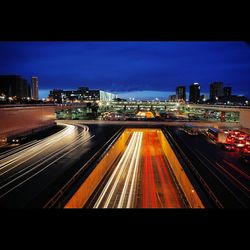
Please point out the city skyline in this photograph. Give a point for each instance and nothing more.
(145, 69)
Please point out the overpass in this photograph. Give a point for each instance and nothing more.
(152, 105)
(244, 111)
(22, 118)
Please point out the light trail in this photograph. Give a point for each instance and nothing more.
(167, 183)
(42, 161)
(135, 176)
(139, 177)
(17, 149)
(219, 179)
(151, 190)
(12, 175)
(38, 148)
(119, 170)
(30, 154)
(36, 173)
(123, 165)
(132, 166)
(237, 170)
(233, 178)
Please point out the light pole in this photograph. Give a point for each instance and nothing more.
(192, 198)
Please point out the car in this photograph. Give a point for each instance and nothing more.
(17, 140)
(248, 141)
(228, 147)
(241, 136)
(230, 139)
(239, 143)
(245, 159)
(246, 149)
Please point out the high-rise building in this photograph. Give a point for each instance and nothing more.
(34, 87)
(216, 90)
(181, 93)
(26, 88)
(227, 91)
(14, 86)
(194, 93)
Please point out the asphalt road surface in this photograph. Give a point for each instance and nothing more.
(31, 174)
(222, 170)
(140, 177)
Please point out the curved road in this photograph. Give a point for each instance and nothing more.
(32, 169)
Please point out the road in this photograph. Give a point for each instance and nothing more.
(225, 175)
(140, 177)
(31, 173)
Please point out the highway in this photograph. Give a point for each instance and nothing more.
(31, 173)
(140, 177)
(225, 175)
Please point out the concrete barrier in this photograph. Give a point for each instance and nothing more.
(86, 189)
(83, 193)
(186, 186)
(25, 120)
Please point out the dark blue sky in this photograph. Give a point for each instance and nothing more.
(128, 67)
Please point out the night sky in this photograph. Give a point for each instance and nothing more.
(131, 69)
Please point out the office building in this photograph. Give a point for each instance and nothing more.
(227, 91)
(194, 93)
(216, 90)
(80, 95)
(181, 93)
(14, 86)
(34, 88)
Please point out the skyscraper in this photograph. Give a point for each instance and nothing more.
(181, 93)
(34, 87)
(216, 90)
(227, 91)
(25, 88)
(194, 93)
(14, 86)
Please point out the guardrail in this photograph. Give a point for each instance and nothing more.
(217, 106)
(196, 173)
(84, 170)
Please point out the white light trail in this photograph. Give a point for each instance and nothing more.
(128, 165)
(36, 173)
(41, 146)
(125, 156)
(40, 165)
(135, 173)
(136, 155)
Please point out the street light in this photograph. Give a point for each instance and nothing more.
(192, 198)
